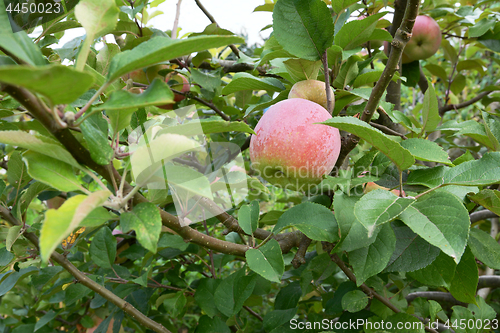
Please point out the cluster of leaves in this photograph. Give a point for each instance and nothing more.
(94, 238)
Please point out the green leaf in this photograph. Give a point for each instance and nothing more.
(399, 155)
(368, 78)
(248, 217)
(60, 84)
(210, 81)
(75, 292)
(348, 72)
(485, 248)
(430, 110)
(426, 150)
(267, 261)
(301, 69)
(412, 252)
(277, 319)
(464, 284)
(378, 207)
(39, 144)
(103, 248)
(315, 221)
(10, 281)
(17, 174)
(97, 217)
(303, 28)
(145, 219)
(95, 132)
(204, 296)
(492, 127)
(430, 177)
(12, 235)
(45, 319)
(246, 81)
(354, 301)
(59, 224)
(175, 305)
(441, 219)
(357, 32)
(489, 199)
(233, 291)
(208, 126)
(469, 64)
(438, 274)
(52, 172)
(159, 49)
(288, 297)
(481, 27)
(485, 171)
(32, 192)
(97, 17)
(340, 5)
(212, 325)
(371, 260)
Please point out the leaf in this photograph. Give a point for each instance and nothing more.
(210, 81)
(288, 297)
(348, 72)
(438, 274)
(378, 207)
(340, 5)
(12, 235)
(481, 27)
(354, 301)
(430, 110)
(59, 224)
(39, 144)
(371, 260)
(97, 17)
(398, 155)
(208, 127)
(52, 172)
(61, 84)
(159, 49)
(33, 191)
(426, 150)
(357, 32)
(485, 171)
(315, 221)
(45, 319)
(17, 174)
(464, 284)
(10, 281)
(301, 69)
(441, 219)
(430, 177)
(145, 219)
(247, 219)
(303, 28)
(246, 81)
(267, 261)
(204, 296)
(412, 252)
(485, 248)
(275, 320)
(233, 291)
(95, 132)
(489, 199)
(492, 127)
(103, 248)
(212, 325)
(75, 292)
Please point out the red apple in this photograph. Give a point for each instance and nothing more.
(291, 151)
(425, 39)
(312, 90)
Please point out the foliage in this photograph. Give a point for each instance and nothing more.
(121, 216)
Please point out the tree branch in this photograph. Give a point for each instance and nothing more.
(87, 282)
(329, 99)
(387, 130)
(462, 105)
(481, 215)
(402, 36)
(438, 296)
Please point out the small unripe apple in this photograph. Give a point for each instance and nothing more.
(312, 90)
(291, 151)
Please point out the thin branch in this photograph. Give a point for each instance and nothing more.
(402, 36)
(438, 296)
(299, 258)
(176, 21)
(87, 282)
(329, 99)
(210, 105)
(492, 281)
(387, 130)
(253, 313)
(462, 105)
(481, 215)
(211, 18)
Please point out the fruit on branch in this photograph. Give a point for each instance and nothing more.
(425, 39)
(312, 90)
(145, 75)
(291, 151)
(180, 83)
(371, 186)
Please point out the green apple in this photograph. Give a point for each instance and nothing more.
(312, 90)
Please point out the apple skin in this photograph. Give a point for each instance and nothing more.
(404, 57)
(182, 86)
(289, 150)
(312, 90)
(425, 39)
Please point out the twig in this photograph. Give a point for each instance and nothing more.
(253, 313)
(450, 78)
(439, 296)
(387, 130)
(329, 101)
(462, 105)
(210, 105)
(481, 215)
(211, 18)
(299, 258)
(176, 21)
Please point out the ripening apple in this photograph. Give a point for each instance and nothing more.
(312, 90)
(182, 85)
(291, 151)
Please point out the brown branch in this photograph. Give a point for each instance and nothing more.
(367, 290)
(481, 215)
(87, 282)
(402, 36)
(210, 105)
(439, 296)
(492, 281)
(329, 100)
(211, 18)
(253, 313)
(387, 130)
(299, 258)
(462, 105)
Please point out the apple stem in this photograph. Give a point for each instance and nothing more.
(329, 101)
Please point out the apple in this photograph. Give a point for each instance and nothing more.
(291, 151)
(404, 58)
(182, 85)
(312, 90)
(425, 39)
(371, 186)
(145, 75)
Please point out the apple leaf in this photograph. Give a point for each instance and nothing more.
(430, 177)
(357, 32)
(267, 261)
(485, 248)
(489, 199)
(485, 171)
(52, 172)
(378, 207)
(208, 126)
(61, 84)
(464, 284)
(430, 111)
(315, 221)
(303, 28)
(340, 5)
(393, 150)
(95, 132)
(159, 49)
(441, 219)
(426, 150)
(301, 69)
(38, 143)
(145, 219)
(246, 81)
(103, 248)
(492, 127)
(438, 274)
